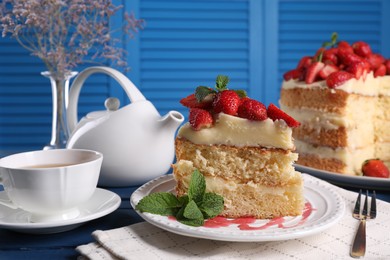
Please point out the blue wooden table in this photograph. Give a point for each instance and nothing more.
(15, 245)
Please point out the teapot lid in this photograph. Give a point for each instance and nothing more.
(111, 104)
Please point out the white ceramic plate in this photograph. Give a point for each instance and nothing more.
(363, 182)
(324, 207)
(102, 203)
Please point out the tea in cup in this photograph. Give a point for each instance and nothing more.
(50, 184)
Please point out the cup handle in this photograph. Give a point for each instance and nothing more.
(4, 199)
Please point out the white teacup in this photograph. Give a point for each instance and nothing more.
(50, 184)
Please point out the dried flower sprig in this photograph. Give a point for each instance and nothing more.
(64, 33)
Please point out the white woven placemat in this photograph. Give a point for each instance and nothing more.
(145, 241)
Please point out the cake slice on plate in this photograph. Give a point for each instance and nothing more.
(244, 150)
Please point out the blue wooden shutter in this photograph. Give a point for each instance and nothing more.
(187, 43)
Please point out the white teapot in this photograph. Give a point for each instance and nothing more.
(136, 142)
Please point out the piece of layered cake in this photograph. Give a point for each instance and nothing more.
(244, 150)
(341, 96)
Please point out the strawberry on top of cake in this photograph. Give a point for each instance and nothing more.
(244, 150)
(341, 96)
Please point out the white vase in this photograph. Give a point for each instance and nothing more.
(60, 99)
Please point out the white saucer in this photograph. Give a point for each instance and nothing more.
(101, 203)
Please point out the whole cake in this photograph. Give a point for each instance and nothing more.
(341, 96)
(244, 150)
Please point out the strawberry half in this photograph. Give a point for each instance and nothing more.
(348, 58)
(304, 62)
(191, 102)
(252, 109)
(226, 101)
(345, 46)
(327, 70)
(330, 56)
(387, 64)
(275, 113)
(361, 48)
(200, 118)
(380, 71)
(292, 74)
(312, 71)
(375, 60)
(357, 69)
(375, 168)
(338, 78)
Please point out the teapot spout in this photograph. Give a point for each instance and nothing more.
(171, 121)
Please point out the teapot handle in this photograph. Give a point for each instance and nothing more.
(131, 90)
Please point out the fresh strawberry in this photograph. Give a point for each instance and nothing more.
(312, 71)
(345, 46)
(200, 118)
(338, 78)
(357, 69)
(375, 168)
(330, 56)
(380, 71)
(347, 58)
(275, 113)
(327, 70)
(292, 74)
(361, 48)
(226, 101)
(304, 62)
(191, 102)
(252, 109)
(375, 60)
(387, 64)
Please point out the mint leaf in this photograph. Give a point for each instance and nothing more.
(333, 41)
(191, 211)
(183, 200)
(211, 205)
(161, 203)
(241, 93)
(334, 38)
(190, 222)
(202, 92)
(197, 187)
(221, 82)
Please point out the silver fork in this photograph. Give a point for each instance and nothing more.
(359, 244)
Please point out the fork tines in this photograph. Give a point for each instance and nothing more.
(371, 214)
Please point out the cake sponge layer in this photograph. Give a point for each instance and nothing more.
(270, 167)
(247, 198)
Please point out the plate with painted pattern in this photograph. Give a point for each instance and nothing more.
(324, 207)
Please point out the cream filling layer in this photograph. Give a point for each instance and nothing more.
(369, 86)
(216, 184)
(352, 159)
(316, 118)
(240, 132)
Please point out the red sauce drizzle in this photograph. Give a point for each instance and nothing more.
(244, 223)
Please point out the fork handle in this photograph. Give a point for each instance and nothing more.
(359, 243)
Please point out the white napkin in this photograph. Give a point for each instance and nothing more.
(145, 241)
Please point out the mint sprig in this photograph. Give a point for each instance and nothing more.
(191, 209)
(202, 92)
(333, 40)
(221, 83)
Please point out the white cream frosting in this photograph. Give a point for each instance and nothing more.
(231, 130)
(370, 86)
(352, 159)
